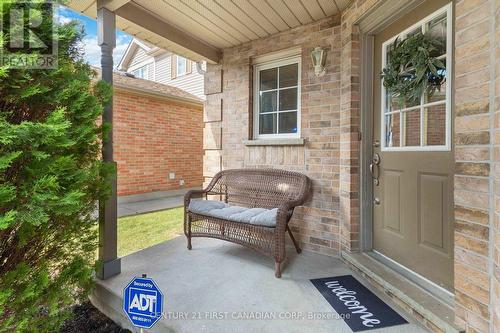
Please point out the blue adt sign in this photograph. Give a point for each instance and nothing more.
(143, 302)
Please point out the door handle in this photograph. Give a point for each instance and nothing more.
(374, 169)
(374, 174)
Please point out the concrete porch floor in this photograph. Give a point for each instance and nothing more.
(217, 276)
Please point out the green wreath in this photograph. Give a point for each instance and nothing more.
(413, 69)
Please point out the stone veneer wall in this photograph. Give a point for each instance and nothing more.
(331, 121)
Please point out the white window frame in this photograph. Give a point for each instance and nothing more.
(177, 73)
(449, 62)
(283, 61)
(144, 68)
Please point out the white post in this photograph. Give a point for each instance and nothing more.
(109, 263)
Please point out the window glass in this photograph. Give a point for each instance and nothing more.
(435, 125)
(421, 123)
(278, 99)
(267, 123)
(411, 128)
(437, 29)
(392, 130)
(141, 72)
(439, 94)
(181, 65)
(288, 122)
(288, 75)
(288, 99)
(268, 101)
(268, 79)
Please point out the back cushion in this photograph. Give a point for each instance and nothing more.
(259, 188)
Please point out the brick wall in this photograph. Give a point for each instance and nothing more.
(472, 108)
(153, 137)
(350, 127)
(329, 222)
(495, 100)
(228, 121)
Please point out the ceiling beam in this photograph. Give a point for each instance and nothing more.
(140, 16)
(112, 5)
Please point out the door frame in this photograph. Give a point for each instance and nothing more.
(375, 20)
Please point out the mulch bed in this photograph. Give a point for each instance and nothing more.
(87, 319)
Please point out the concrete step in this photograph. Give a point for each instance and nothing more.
(430, 311)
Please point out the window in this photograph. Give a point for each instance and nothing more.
(141, 72)
(277, 99)
(425, 125)
(181, 66)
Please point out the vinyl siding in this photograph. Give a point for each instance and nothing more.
(139, 57)
(192, 82)
(160, 70)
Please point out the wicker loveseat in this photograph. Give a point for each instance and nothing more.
(250, 207)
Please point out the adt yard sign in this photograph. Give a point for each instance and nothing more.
(143, 302)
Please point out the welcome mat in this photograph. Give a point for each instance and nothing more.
(357, 305)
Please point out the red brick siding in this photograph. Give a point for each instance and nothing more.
(153, 137)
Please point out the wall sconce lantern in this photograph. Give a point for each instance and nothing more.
(318, 56)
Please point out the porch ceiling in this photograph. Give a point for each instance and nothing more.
(199, 29)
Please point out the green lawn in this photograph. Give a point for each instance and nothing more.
(141, 231)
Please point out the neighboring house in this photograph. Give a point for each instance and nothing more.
(157, 135)
(152, 63)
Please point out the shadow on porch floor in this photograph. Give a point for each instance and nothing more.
(218, 276)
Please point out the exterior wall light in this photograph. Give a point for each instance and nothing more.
(318, 56)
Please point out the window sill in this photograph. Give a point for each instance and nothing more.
(275, 142)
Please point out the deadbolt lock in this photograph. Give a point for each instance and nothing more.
(376, 201)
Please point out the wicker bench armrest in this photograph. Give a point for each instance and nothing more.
(283, 214)
(193, 194)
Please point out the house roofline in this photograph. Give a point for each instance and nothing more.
(132, 46)
(157, 94)
(131, 49)
(132, 84)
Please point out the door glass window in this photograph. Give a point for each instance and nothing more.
(423, 124)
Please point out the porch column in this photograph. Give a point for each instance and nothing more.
(109, 263)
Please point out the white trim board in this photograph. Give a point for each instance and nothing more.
(278, 60)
